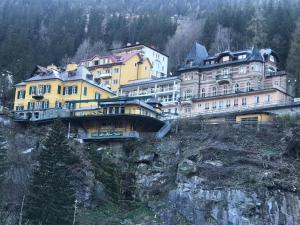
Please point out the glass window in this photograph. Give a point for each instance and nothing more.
(244, 101)
(225, 90)
(236, 102)
(58, 89)
(248, 86)
(214, 91)
(236, 88)
(256, 99)
(267, 98)
(203, 93)
(228, 103)
(85, 91)
(207, 106)
(225, 58)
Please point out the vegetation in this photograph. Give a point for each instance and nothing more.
(51, 195)
(45, 32)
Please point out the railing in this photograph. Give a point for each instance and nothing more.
(239, 108)
(220, 77)
(103, 75)
(276, 73)
(232, 91)
(36, 115)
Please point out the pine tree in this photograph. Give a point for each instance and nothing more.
(51, 198)
(293, 64)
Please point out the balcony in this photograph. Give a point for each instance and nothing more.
(103, 76)
(223, 78)
(38, 96)
(111, 135)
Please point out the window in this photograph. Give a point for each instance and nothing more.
(236, 88)
(85, 91)
(97, 95)
(58, 105)
(116, 70)
(47, 88)
(272, 59)
(21, 94)
(236, 102)
(202, 77)
(267, 98)
(45, 105)
(96, 62)
(225, 90)
(242, 56)
(30, 105)
(225, 58)
(146, 68)
(19, 108)
(32, 90)
(244, 101)
(188, 94)
(65, 91)
(207, 106)
(107, 71)
(248, 88)
(256, 99)
(226, 71)
(203, 93)
(106, 82)
(214, 91)
(228, 103)
(214, 105)
(74, 90)
(115, 82)
(58, 89)
(38, 105)
(220, 104)
(242, 70)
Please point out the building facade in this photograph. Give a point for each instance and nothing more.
(118, 69)
(158, 59)
(165, 90)
(230, 81)
(49, 88)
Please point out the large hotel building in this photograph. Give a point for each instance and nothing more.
(230, 81)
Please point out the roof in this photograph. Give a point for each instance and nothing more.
(115, 58)
(82, 73)
(196, 55)
(136, 46)
(198, 52)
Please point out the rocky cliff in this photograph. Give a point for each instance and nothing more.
(203, 175)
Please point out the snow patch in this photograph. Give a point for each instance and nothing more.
(27, 151)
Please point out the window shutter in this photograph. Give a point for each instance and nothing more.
(64, 90)
(76, 89)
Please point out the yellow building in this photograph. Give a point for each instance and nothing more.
(52, 89)
(119, 69)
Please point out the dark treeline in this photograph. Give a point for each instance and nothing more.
(54, 31)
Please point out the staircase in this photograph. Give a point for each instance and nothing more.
(164, 130)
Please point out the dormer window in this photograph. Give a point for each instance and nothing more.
(272, 59)
(226, 58)
(96, 62)
(242, 56)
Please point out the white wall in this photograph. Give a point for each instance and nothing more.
(158, 60)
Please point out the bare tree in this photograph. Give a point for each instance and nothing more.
(188, 31)
(222, 40)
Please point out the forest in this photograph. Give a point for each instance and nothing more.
(51, 31)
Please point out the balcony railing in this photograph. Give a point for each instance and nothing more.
(103, 75)
(223, 78)
(37, 115)
(231, 91)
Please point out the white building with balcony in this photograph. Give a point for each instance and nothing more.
(166, 90)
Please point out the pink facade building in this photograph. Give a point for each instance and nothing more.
(230, 81)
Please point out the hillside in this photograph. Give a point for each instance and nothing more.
(45, 32)
(204, 174)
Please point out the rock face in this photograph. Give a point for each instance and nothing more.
(203, 175)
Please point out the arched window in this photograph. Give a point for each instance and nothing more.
(203, 93)
(236, 88)
(214, 91)
(248, 86)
